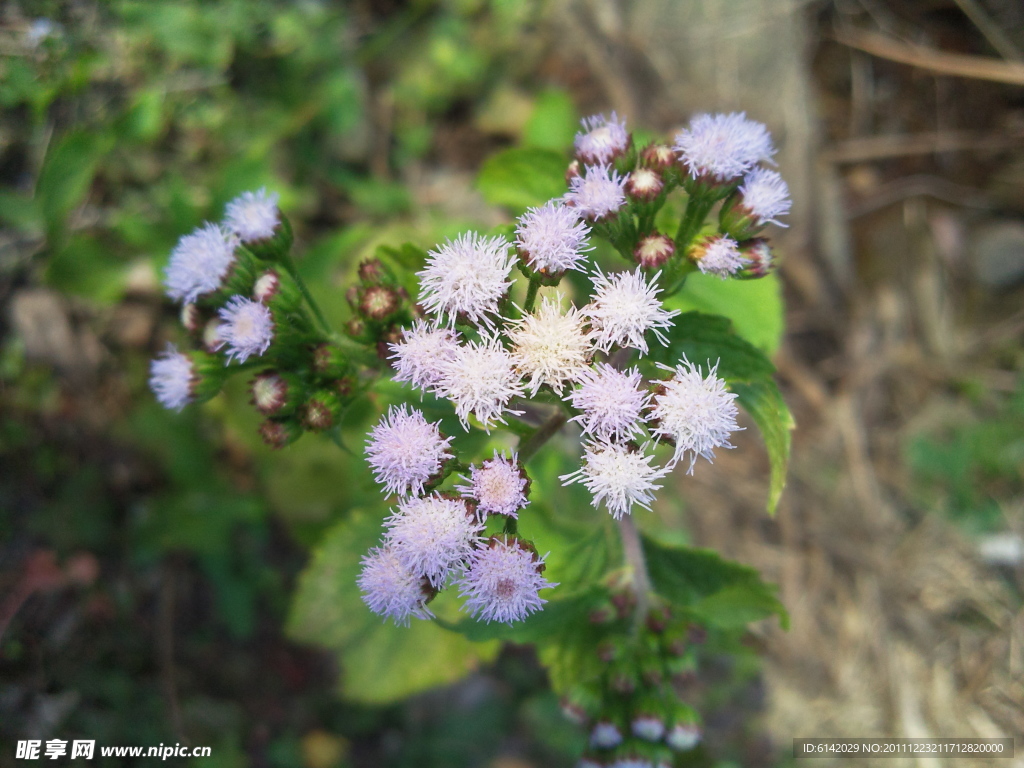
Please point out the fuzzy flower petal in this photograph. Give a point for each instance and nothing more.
(765, 195)
(552, 239)
(624, 307)
(432, 534)
(612, 402)
(253, 216)
(502, 581)
(602, 140)
(405, 451)
(199, 263)
(695, 412)
(171, 376)
(598, 193)
(550, 347)
(723, 146)
(480, 379)
(247, 328)
(618, 476)
(720, 255)
(421, 353)
(498, 486)
(390, 589)
(467, 276)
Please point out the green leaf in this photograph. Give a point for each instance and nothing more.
(380, 662)
(67, 173)
(522, 178)
(553, 123)
(704, 339)
(754, 306)
(718, 592)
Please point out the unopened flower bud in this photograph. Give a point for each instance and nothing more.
(352, 296)
(658, 156)
(648, 727)
(356, 330)
(280, 433)
(212, 340)
(321, 411)
(654, 250)
(658, 618)
(276, 393)
(378, 303)
(330, 361)
(760, 259)
(192, 319)
(373, 272)
(603, 614)
(572, 171)
(644, 185)
(277, 290)
(683, 736)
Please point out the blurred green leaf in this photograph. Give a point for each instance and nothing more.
(553, 123)
(379, 662)
(520, 178)
(705, 339)
(67, 173)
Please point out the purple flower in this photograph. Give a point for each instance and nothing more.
(723, 147)
(199, 263)
(405, 451)
(502, 581)
(247, 328)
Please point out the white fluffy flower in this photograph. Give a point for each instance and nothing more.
(683, 736)
(624, 307)
(171, 377)
(694, 411)
(648, 727)
(390, 589)
(632, 761)
(199, 263)
(605, 735)
(480, 379)
(618, 476)
(253, 216)
(502, 581)
(432, 534)
(550, 347)
(765, 195)
(597, 193)
(720, 255)
(405, 451)
(612, 402)
(602, 140)
(247, 328)
(723, 146)
(466, 277)
(552, 239)
(498, 486)
(421, 352)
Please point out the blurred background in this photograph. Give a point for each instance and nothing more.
(148, 560)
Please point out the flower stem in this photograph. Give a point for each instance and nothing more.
(289, 264)
(633, 551)
(542, 434)
(697, 210)
(531, 295)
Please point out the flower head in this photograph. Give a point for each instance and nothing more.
(502, 580)
(719, 255)
(683, 736)
(552, 239)
(723, 146)
(695, 411)
(602, 140)
(172, 378)
(498, 486)
(199, 263)
(618, 476)
(431, 534)
(612, 402)
(421, 353)
(605, 735)
(623, 308)
(247, 328)
(550, 347)
(480, 379)
(253, 216)
(648, 727)
(598, 193)
(765, 196)
(467, 276)
(405, 451)
(390, 589)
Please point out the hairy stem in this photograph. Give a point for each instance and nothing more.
(542, 434)
(690, 225)
(531, 295)
(633, 551)
(289, 264)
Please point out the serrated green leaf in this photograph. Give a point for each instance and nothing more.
(380, 662)
(718, 592)
(706, 339)
(522, 177)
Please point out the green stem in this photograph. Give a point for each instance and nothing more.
(511, 526)
(531, 295)
(633, 550)
(697, 210)
(289, 264)
(542, 434)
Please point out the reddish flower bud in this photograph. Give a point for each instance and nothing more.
(654, 250)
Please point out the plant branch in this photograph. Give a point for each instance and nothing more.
(542, 434)
(289, 264)
(531, 295)
(633, 551)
